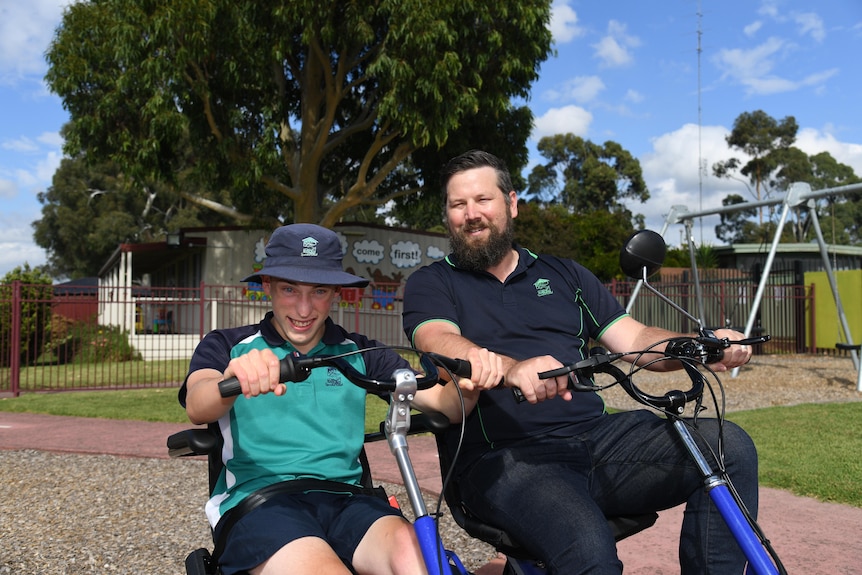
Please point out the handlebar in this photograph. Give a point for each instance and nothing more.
(295, 369)
(689, 351)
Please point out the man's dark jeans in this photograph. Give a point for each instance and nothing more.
(552, 493)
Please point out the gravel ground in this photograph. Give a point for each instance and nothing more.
(94, 514)
(768, 380)
(75, 514)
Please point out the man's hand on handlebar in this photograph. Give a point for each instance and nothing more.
(735, 355)
(258, 372)
(486, 370)
(525, 376)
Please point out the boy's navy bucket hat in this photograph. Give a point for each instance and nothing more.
(305, 253)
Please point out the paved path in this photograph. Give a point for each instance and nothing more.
(811, 537)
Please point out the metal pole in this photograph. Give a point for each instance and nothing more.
(764, 278)
(698, 291)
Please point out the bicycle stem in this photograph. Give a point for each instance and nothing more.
(396, 427)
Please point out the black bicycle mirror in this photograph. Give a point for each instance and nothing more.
(644, 249)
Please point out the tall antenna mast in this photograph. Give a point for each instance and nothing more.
(700, 165)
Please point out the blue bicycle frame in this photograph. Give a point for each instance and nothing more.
(759, 561)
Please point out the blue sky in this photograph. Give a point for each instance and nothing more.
(624, 71)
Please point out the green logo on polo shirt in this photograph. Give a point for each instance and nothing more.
(543, 287)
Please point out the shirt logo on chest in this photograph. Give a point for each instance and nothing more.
(543, 287)
(333, 377)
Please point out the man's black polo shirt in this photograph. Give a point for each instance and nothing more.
(547, 306)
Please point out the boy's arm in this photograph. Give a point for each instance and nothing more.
(257, 371)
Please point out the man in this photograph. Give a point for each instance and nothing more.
(550, 469)
(314, 429)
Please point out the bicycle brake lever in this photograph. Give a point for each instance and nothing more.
(753, 340)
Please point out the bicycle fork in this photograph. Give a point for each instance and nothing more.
(437, 559)
(759, 561)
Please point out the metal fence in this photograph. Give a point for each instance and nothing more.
(113, 338)
(786, 312)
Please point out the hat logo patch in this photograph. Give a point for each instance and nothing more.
(309, 247)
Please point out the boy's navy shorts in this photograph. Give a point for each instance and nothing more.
(339, 519)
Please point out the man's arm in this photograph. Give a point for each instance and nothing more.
(628, 334)
(490, 368)
(486, 369)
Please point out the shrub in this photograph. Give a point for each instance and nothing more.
(36, 294)
(97, 343)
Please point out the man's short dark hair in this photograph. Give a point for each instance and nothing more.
(477, 159)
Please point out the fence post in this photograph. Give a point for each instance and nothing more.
(15, 340)
(203, 307)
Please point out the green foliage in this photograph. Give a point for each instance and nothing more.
(504, 135)
(301, 110)
(35, 313)
(704, 256)
(97, 343)
(586, 177)
(735, 226)
(775, 164)
(90, 209)
(593, 239)
(577, 207)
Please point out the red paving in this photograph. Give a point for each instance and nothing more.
(811, 537)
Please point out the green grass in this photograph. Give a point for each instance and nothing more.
(137, 404)
(810, 450)
(102, 374)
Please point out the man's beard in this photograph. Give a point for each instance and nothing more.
(481, 255)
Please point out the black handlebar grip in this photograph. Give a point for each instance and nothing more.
(291, 369)
(229, 387)
(462, 368)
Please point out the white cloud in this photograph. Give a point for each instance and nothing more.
(633, 96)
(614, 49)
(813, 141)
(774, 85)
(564, 22)
(754, 69)
(8, 189)
(810, 24)
(22, 145)
(47, 166)
(565, 120)
(768, 9)
(582, 89)
(32, 175)
(52, 139)
(26, 30)
(752, 28)
(16, 242)
(671, 171)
